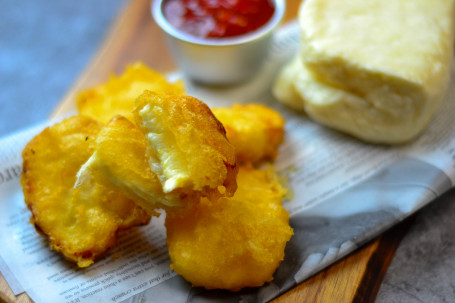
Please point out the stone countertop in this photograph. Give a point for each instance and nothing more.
(423, 268)
(46, 44)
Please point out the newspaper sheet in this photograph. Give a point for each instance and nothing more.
(344, 192)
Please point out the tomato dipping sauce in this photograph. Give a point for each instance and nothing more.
(217, 18)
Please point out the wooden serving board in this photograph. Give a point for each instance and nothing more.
(135, 37)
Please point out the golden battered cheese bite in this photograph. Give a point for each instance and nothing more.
(116, 97)
(119, 160)
(255, 130)
(188, 149)
(83, 181)
(81, 224)
(234, 242)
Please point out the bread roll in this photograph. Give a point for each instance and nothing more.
(383, 65)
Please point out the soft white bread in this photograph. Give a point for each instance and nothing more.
(342, 110)
(382, 65)
(284, 89)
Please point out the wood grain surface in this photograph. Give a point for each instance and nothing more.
(135, 37)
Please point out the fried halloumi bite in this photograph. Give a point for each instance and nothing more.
(234, 242)
(116, 97)
(188, 149)
(81, 224)
(255, 130)
(119, 160)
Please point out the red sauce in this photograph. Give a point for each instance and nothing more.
(218, 18)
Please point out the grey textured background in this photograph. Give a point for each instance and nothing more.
(44, 45)
(423, 269)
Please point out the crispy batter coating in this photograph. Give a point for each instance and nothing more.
(120, 161)
(255, 130)
(117, 96)
(81, 224)
(234, 242)
(188, 149)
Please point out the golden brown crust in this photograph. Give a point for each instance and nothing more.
(255, 131)
(81, 223)
(234, 242)
(116, 96)
(188, 146)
